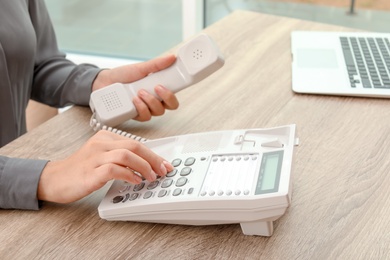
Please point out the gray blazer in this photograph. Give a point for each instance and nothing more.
(31, 66)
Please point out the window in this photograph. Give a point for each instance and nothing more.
(143, 29)
(371, 15)
(131, 29)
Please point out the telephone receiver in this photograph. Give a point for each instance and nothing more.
(196, 60)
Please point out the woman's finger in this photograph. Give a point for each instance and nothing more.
(128, 159)
(168, 97)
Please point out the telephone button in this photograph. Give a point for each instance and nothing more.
(220, 193)
(148, 194)
(185, 171)
(127, 196)
(229, 192)
(191, 190)
(211, 193)
(181, 182)
(172, 173)
(153, 185)
(162, 193)
(166, 183)
(124, 188)
(133, 196)
(176, 162)
(139, 187)
(176, 192)
(237, 192)
(117, 199)
(189, 161)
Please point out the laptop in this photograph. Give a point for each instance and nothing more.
(341, 63)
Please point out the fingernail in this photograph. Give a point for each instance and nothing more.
(143, 93)
(137, 100)
(137, 179)
(168, 166)
(163, 169)
(152, 176)
(160, 88)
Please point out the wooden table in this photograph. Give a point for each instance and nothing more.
(341, 176)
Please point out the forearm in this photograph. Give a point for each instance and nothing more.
(61, 83)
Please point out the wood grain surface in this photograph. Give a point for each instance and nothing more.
(341, 174)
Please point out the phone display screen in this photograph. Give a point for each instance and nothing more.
(269, 174)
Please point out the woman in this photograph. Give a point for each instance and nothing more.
(31, 66)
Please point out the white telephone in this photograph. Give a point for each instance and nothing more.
(196, 60)
(224, 177)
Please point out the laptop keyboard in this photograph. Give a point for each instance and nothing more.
(367, 60)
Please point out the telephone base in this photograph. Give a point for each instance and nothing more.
(258, 228)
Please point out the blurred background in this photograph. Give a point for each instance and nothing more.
(142, 29)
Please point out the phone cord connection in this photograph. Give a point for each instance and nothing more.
(96, 126)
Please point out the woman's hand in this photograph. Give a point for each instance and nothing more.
(104, 157)
(146, 104)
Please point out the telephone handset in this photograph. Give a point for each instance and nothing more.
(222, 177)
(196, 60)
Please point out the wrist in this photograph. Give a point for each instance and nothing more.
(101, 80)
(47, 190)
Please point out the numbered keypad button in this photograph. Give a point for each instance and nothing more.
(139, 187)
(133, 196)
(166, 183)
(172, 173)
(181, 182)
(148, 194)
(153, 185)
(189, 161)
(117, 199)
(162, 193)
(177, 192)
(185, 171)
(124, 188)
(127, 196)
(176, 162)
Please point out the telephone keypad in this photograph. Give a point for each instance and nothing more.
(165, 183)
(222, 165)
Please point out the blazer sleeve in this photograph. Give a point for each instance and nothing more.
(57, 81)
(19, 180)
